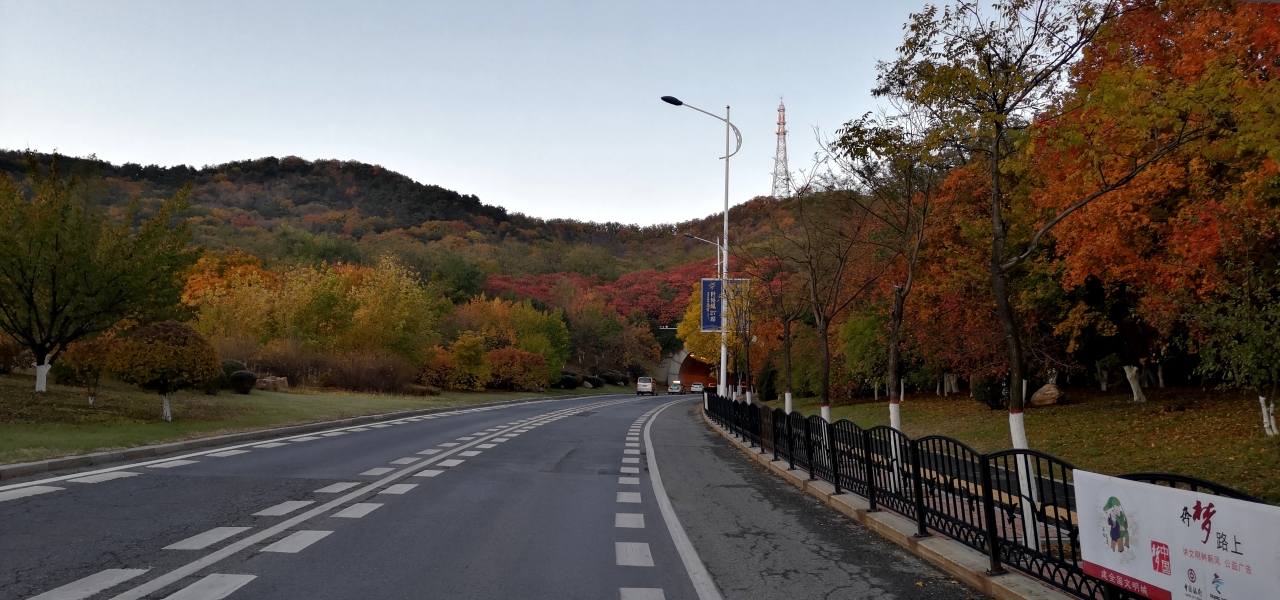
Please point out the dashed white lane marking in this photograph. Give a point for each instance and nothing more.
(378, 471)
(355, 511)
(398, 488)
(632, 444)
(431, 451)
(337, 487)
(226, 453)
(453, 462)
(428, 473)
(633, 438)
(108, 476)
(173, 463)
(466, 439)
(500, 439)
(631, 461)
(270, 445)
(379, 426)
(212, 587)
(297, 541)
(449, 444)
(334, 433)
(641, 594)
(632, 554)
(206, 539)
(629, 497)
(408, 460)
(629, 480)
(283, 508)
(469, 453)
(629, 520)
(83, 588)
(487, 446)
(305, 438)
(631, 451)
(630, 470)
(359, 429)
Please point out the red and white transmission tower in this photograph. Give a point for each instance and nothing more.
(781, 176)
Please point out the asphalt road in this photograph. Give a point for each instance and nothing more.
(542, 500)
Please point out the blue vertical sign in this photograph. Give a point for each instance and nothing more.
(711, 317)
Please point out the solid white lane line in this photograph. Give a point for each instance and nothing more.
(629, 480)
(428, 473)
(100, 477)
(629, 520)
(630, 470)
(469, 453)
(283, 508)
(271, 445)
(408, 460)
(641, 594)
(357, 510)
(173, 463)
(629, 497)
(337, 487)
(378, 471)
(698, 574)
(212, 587)
(24, 492)
(398, 488)
(204, 540)
(83, 588)
(297, 541)
(226, 453)
(632, 554)
(431, 451)
(453, 462)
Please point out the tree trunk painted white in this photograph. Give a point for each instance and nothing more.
(1268, 416)
(748, 396)
(938, 388)
(787, 405)
(1160, 374)
(91, 399)
(168, 416)
(902, 390)
(1131, 373)
(826, 412)
(1025, 397)
(1018, 431)
(1103, 376)
(1053, 377)
(875, 385)
(895, 415)
(42, 377)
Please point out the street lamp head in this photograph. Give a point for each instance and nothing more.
(689, 235)
(672, 100)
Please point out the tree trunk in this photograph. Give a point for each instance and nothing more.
(895, 330)
(168, 416)
(42, 377)
(1017, 428)
(824, 371)
(1268, 415)
(1131, 373)
(1103, 376)
(786, 359)
(1160, 373)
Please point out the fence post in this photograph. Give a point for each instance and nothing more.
(831, 451)
(808, 447)
(989, 515)
(869, 469)
(791, 445)
(760, 411)
(917, 481)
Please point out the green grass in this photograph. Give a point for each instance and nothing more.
(62, 423)
(1209, 434)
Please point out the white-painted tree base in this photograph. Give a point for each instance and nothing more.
(1268, 416)
(826, 413)
(895, 415)
(1131, 373)
(1018, 431)
(42, 377)
(168, 416)
(787, 404)
(748, 396)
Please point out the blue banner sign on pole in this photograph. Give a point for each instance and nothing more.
(712, 320)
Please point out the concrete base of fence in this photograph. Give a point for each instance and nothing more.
(963, 562)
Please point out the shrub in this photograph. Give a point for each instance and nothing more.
(436, 367)
(242, 381)
(82, 363)
(515, 369)
(595, 382)
(231, 366)
(289, 359)
(991, 391)
(367, 372)
(568, 381)
(13, 356)
(164, 357)
(470, 371)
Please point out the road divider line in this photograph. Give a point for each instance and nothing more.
(88, 586)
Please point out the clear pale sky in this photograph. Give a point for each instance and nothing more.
(549, 108)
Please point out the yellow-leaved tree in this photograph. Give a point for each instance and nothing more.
(164, 357)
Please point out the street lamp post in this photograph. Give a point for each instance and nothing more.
(721, 385)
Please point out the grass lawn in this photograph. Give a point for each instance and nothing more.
(1209, 434)
(61, 422)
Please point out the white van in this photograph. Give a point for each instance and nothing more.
(645, 385)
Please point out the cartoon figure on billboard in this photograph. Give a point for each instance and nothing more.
(1117, 524)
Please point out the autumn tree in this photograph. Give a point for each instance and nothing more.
(782, 299)
(68, 272)
(164, 357)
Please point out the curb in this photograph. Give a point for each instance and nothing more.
(99, 458)
(958, 560)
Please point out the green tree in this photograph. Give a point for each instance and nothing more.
(68, 272)
(165, 357)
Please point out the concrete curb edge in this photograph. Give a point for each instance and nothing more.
(99, 458)
(958, 560)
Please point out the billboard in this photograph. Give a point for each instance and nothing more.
(1166, 543)
(712, 319)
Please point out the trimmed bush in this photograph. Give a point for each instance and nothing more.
(568, 382)
(991, 391)
(242, 381)
(231, 366)
(164, 357)
(595, 382)
(515, 369)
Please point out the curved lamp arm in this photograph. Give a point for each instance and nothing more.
(738, 134)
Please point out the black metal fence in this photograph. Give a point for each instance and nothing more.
(1016, 506)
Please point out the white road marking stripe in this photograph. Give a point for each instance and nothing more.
(453, 462)
(466, 439)
(428, 473)
(173, 463)
(487, 446)
(355, 511)
(629, 497)
(206, 539)
(271, 445)
(359, 429)
(212, 587)
(337, 487)
(629, 520)
(632, 445)
(83, 588)
(296, 542)
(470, 453)
(633, 438)
(408, 460)
(283, 508)
(305, 438)
(631, 451)
(399, 488)
(100, 477)
(431, 451)
(379, 426)
(226, 453)
(334, 433)
(629, 480)
(698, 574)
(448, 444)
(631, 460)
(632, 554)
(24, 492)
(378, 471)
(641, 594)
(630, 470)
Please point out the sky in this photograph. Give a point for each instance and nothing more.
(548, 108)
